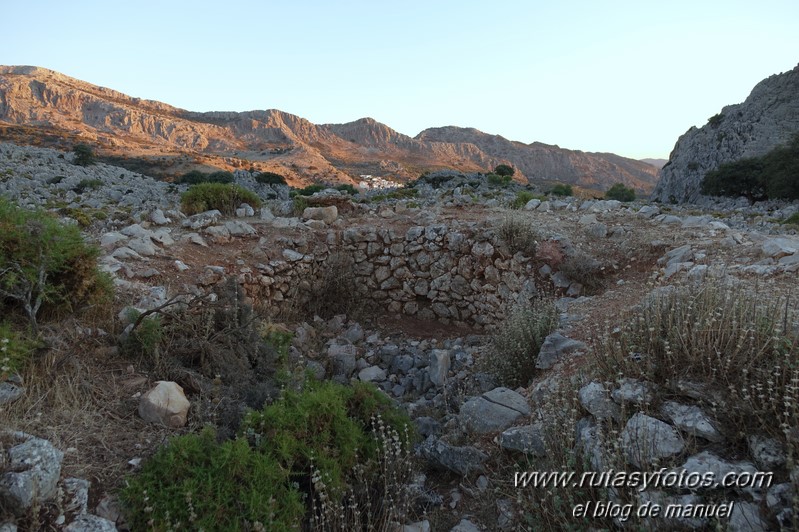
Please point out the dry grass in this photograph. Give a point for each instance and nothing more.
(740, 342)
(586, 270)
(517, 341)
(78, 399)
(517, 232)
(81, 396)
(379, 502)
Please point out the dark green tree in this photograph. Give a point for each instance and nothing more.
(561, 190)
(84, 154)
(504, 170)
(774, 175)
(620, 192)
(739, 178)
(270, 178)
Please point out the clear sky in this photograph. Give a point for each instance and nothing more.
(627, 77)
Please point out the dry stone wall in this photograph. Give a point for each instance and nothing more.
(453, 274)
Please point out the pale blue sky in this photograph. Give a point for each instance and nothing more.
(621, 76)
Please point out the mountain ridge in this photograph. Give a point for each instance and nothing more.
(275, 140)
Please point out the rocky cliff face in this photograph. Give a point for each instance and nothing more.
(544, 161)
(769, 117)
(274, 140)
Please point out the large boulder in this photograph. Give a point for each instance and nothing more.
(31, 471)
(165, 404)
(493, 411)
(326, 214)
(645, 439)
(461, 460)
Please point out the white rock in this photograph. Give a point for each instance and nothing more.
(372, 374)
(420, 526)
(691, 419)
(142, 246)
(746, 518)
(158, 218)
(532, 204)
(124, 253)
(645, 439)
(292, 256)
(439, 366)
(648, 211)
(595, 399)
(780, 247)
(165, 404)
(326, 214)
(109, 240)
(266, 214)
(239, 228)
(245, 210)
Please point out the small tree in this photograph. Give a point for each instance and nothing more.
(620, 192)
(504, 170)
(42, 261)
(84, 154)
(270, 178)
(562, 190)
(743, 177)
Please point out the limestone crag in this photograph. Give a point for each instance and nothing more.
(768, 118)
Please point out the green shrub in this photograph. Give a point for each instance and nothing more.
(517, 232)
(224, 197)
(327, 426)
(715, 120)
(15, 349)
(308, 442)
(43, 262)
(299, 204)
(349, 189)
(498, 180)
(620, 192)
(516, 343)
(504, 170)
(310, 190)
(771, 176)
(87, 184)
(195, 177)
(220, 176)
(562, 190)
(434, 181)
(521, 199)
(79, 215)
(202, 484)
(740, 178)
(144, 340)
(270, 178)
(84, 154)
(792, 219)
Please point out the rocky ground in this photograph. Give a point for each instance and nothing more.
(80, 421)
